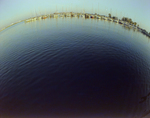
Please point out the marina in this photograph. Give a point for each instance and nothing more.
(75, 59)
(66, 57)
(114, 19)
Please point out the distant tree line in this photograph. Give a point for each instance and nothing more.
(129, 20)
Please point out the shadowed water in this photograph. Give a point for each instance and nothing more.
(72, 67)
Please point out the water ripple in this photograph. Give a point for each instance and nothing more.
(86, 66)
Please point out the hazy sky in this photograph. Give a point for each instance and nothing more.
(15, 10)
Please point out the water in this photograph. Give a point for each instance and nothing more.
(73, 67)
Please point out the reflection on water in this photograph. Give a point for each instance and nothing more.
(73, 66)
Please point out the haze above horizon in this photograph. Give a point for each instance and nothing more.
(137, 10)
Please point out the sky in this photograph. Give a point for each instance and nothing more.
(15, 10)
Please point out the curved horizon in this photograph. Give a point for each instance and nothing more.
(19, 10)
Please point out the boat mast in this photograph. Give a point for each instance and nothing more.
(98, 8)
(92, 8)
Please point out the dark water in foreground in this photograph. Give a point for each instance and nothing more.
(73, 67)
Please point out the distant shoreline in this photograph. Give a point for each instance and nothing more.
(126, 22)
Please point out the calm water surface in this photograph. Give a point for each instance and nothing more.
(71, 66)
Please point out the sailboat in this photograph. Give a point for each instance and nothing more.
(38, 17)
(44, 16)
(56, 13)
(28, 20)
(33, 18)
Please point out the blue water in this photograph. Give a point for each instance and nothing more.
(73, 67)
